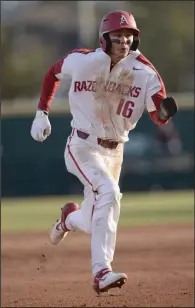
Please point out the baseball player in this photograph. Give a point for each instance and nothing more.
(110, 89)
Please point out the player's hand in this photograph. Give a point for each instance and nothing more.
(168, 108)
(41, 127)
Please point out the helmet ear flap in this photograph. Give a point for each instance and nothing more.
(135, 44)
(106, 42)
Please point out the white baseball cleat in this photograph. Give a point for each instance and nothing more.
(59, 230)
(56, 233)
(106, 280)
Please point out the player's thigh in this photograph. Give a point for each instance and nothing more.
(114, 162)
(89, 167)
(115, 170)
(87, 164)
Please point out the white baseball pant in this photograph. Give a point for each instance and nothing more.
(99, 170)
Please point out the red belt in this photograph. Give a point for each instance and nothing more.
(105, 143)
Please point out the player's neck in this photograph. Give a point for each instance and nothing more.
(113, 63)
(111, 66)
(115, 59)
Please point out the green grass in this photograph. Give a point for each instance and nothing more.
(36, 214)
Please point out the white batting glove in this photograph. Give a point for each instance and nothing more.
(41, 127)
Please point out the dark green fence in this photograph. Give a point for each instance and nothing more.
(32, 168)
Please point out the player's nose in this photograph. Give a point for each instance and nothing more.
(124, 40)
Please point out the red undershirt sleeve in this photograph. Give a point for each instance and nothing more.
(49, 85)
(155, 92)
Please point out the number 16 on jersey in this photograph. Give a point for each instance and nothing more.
(125, 108)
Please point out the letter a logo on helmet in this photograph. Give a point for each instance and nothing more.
(123, 20)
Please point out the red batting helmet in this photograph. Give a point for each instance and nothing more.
(116, 20)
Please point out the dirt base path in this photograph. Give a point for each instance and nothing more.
(159, 262)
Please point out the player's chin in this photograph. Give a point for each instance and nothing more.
(124, 52)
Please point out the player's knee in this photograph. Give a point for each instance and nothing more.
(111, 191)
(114, 192)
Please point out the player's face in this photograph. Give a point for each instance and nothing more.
(121, 42)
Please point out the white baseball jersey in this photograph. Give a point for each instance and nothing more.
(108, 102)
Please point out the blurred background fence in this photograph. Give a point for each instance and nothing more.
(34, 35)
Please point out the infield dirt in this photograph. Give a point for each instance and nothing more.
(159, 262)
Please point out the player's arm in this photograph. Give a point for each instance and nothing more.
(50, 84)
(160, 107)
(41, 127)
